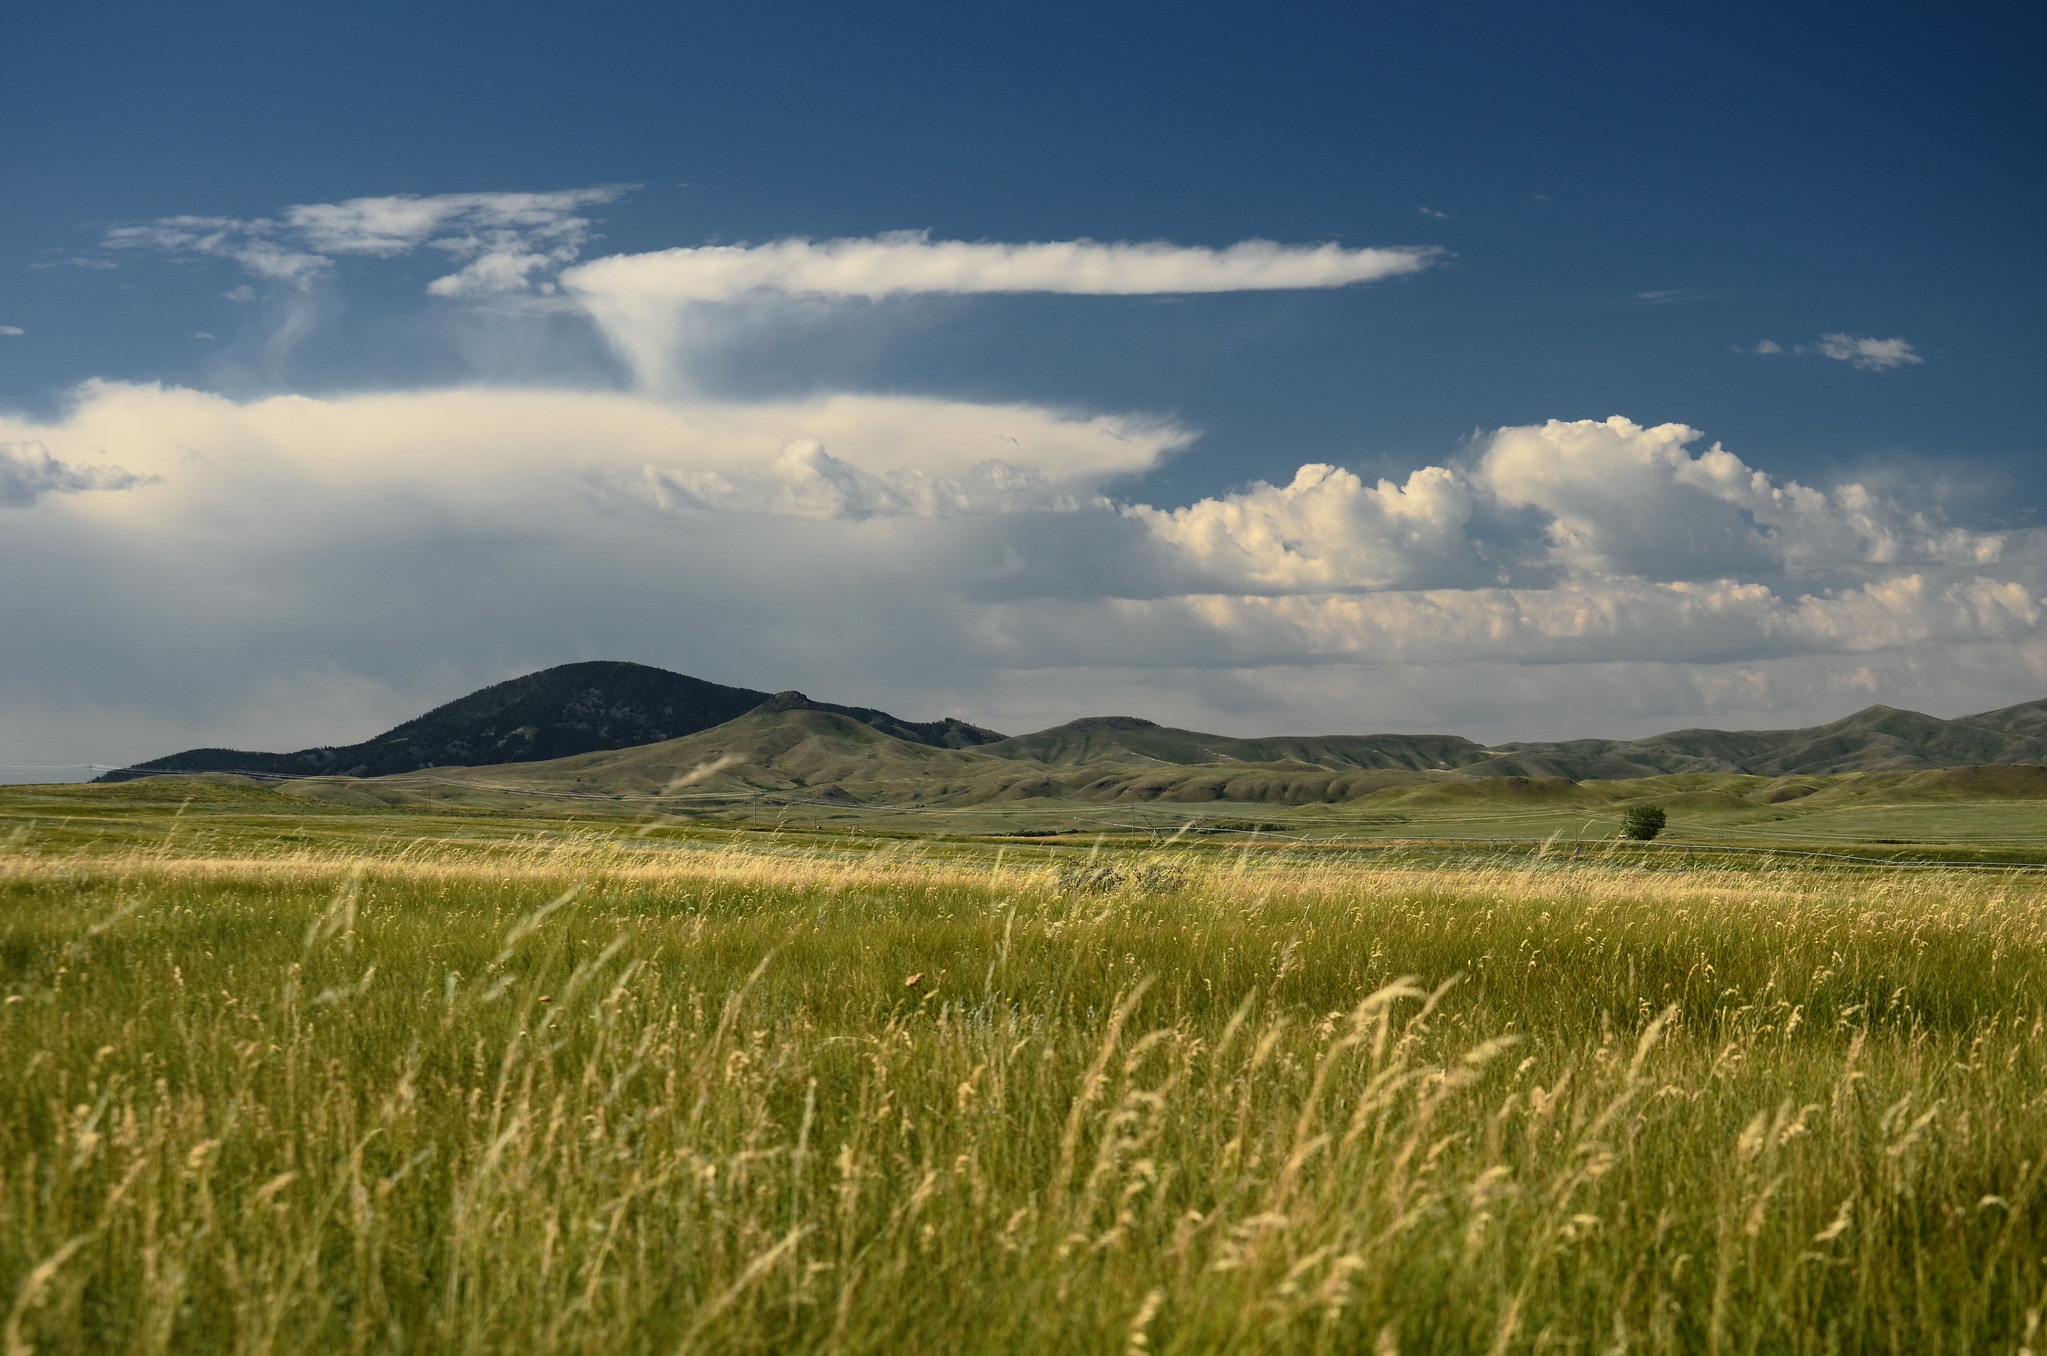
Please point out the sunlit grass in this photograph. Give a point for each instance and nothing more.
(621, 1095)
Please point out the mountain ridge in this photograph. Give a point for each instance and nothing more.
(612, 706)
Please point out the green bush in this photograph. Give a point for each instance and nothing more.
(1643, 822)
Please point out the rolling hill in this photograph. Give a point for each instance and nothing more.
(555, 713)
(1128, 739)
(1876, 738)
(628, 729)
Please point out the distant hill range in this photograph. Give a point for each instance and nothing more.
(642, 727)
(556, 713)
(1877, 738)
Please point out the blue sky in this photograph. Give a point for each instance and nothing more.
(1609, 210)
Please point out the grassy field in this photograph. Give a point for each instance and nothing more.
(291, 1077)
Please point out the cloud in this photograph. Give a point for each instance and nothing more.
(805, 480)
(1621, 499)
(28, 472)
(252, 244)
(641, 301)
(1327, 530)
(911, 262)
(1583, 499)
(297, 569)
(502, 239)
(1871, 355)
(11, 331)
(523, 452)
(1432, 212)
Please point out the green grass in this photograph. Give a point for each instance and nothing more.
(348, 1079)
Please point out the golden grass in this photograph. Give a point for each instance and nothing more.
(605, 1094)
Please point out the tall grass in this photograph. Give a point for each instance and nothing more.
(594, 1097)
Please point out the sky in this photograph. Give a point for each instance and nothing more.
(1517, 371)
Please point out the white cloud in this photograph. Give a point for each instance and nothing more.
(1871, 355)
(1621, 499)
(911, 262)
(1432, 212)
(805, 480)
(1327, 530)
(1765, 347)
(936, 555)
(521, 452)
(502, 239)
(641, 301)
(1578, 622)
(1579, 499)
(12, 331)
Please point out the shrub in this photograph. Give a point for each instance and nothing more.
(1096, 877)
(1088, 877)
(1642, 822)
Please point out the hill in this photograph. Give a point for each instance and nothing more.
(555, 713)
(803, 752)
(1874, 739)
(580, 709)
(1128, 739)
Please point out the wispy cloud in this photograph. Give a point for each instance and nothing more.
(905, 262)
(1432, 212)
(503, 241)
(12, 331)
(645, 303)
(1871, 355)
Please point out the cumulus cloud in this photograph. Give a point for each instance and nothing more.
(1566, 499)
(1621, 499)
(501, 239)
(1327, 529)
(1871, 355)
(934, 555)
(11, 331)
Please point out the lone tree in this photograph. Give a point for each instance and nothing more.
(1642, 822)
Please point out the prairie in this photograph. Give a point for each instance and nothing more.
(350, 1080)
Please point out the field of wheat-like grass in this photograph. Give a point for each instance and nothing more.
(618, 1096)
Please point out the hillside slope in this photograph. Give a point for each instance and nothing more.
(803, 753)
(1128, 739)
